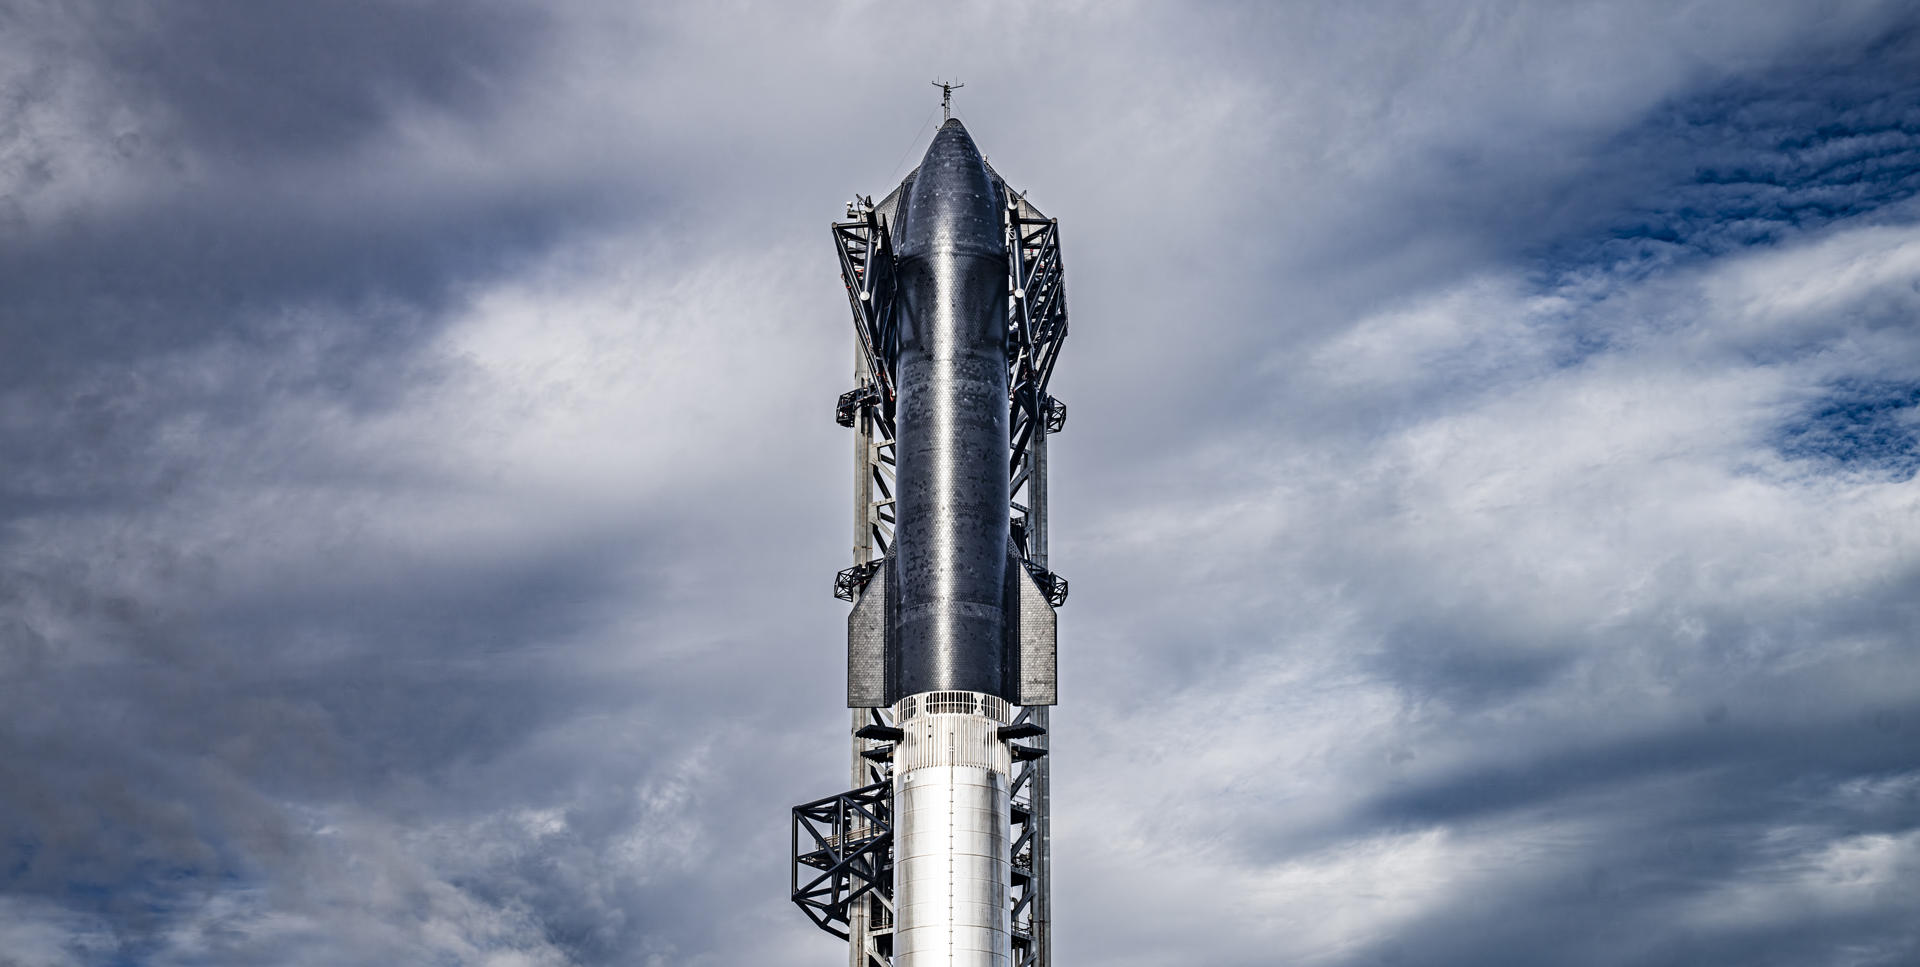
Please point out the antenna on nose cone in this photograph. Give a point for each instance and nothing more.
(946, 98)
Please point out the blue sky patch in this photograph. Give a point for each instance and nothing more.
(1871, 428)
(1753, 162)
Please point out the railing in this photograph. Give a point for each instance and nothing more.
(954, 703)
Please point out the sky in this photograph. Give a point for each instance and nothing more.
(1489, 494)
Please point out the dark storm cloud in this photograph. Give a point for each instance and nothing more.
(216, 154)
(182, 271)
(1482, 495)
(255, 84)
(199, 749)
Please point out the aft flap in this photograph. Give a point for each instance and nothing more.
(1032, 678)
(867, 627)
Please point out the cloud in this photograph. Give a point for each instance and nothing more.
(1488, 495)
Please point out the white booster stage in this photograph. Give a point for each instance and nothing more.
(950, 863)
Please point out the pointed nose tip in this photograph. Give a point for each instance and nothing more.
(952, 142)
(952, 206)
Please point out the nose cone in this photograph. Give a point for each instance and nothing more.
(953, 208)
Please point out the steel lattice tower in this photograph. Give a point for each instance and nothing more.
(844, 845)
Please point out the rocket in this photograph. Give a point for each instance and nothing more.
(951, 632)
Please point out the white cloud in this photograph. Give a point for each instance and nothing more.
(1408, 586)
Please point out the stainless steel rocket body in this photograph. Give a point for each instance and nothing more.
(951, 770)
(952, 628)
(950, 541)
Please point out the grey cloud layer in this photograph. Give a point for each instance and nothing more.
(1489, 495)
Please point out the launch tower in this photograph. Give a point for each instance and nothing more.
(938, 856)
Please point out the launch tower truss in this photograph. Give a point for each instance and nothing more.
(842, 867)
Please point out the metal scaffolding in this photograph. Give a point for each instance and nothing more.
(842, 854)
